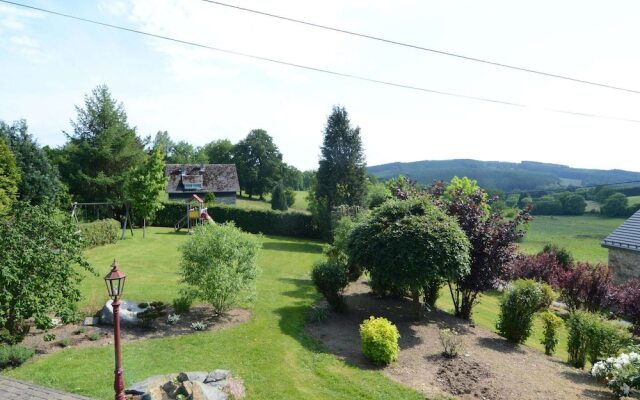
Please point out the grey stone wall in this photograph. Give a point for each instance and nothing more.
(625, 264)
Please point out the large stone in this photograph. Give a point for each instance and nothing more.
(195, 376)
(128, 313)
(155, 381)
(202, 391)
(217, 375)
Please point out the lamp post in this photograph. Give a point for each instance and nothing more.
(115, 287)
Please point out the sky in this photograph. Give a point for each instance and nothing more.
(48, 64)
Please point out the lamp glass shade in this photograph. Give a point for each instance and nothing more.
(115, 281)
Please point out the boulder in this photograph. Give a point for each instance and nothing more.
(128, 313)
(196, 385)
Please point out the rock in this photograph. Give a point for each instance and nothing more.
(155, 381)
(195, 376)
(128, 313)
(91, 321)
(202, 391)
(186, 389)
(169, 387)
(182, 377)
(217, 375)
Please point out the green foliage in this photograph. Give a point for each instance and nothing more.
(278, 198)
(145, 185)
(573, 204)
(39, 181)
(290, 196)
(40, 271)
(431, 291)
(337, 252)
(14, 356)
(94, 336)
(408, 243)
(258, 161)
(551, 324)
(219, 151)
(185, 153)
(341, 177)
(219, 265)
(292, 177)
(464, 187)
(182, 304)
(592, 338)
(9, 178)
(330, 279)
(518, 307)
(563, 256)
(379, 340)
(547, 205)
(162, 142)
(65, 342)
(49, 337)
(615, 206)
(250, 220)
(98, 233)
(452, 342)
(102, 150)
(156, 309)
(317, 314)
(377, 194)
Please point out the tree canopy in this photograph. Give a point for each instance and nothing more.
(219, 151)
(9, 178)
(259, 163)
(145, 185)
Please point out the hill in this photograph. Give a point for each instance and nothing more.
(507, 176)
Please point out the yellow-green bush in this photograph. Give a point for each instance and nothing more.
(379, 340)
(101, 232)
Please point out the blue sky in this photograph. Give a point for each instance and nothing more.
(48, 63)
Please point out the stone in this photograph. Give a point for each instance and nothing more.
(182, 377)
(169, 387)
(91, 321)
(151, 382)
(128, 313)
(217, 375)
(196, 376)
(203, 391)
(186, 389)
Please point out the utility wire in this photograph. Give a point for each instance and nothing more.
(417, 47)
(316, 69)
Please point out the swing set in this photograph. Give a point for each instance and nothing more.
(87, 212)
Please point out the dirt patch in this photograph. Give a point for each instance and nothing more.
(102, 335)
(489, 367)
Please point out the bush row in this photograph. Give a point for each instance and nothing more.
(101, 232)
(268, 222)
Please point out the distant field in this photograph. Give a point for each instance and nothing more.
(634, 200)
(592, 205)
(580, 235)
(300, 205)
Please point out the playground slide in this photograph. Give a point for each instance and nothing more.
(210, 220)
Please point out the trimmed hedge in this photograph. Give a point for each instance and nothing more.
(101, 232)
(268, 222)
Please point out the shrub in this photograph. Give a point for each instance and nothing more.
(592, 338)
(452, 342)
(269, 222)
(290, 196)
(14, 356)
(543, 267)
(615, 206)
(81, 330)
(49, 337)
(173, 319)
(66, 342)
(517, 308)
(219, 265)
(330, 279)
(155, 309)
(278, 199)
(626, 301)
(622, 374)
(551, 323)
(563, 256)
(431, 291)
(94, 336)
(101, 232)
(379, 340)
(317, 314)
(198, 326)
(586, 286)
(547, 205)
(337, 251)
(182, 305)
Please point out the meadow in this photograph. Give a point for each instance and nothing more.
(300, 204)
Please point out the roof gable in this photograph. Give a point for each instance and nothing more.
(627, 236)
(201, 178)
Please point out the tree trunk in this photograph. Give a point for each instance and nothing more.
(417, 307)
(144, 227)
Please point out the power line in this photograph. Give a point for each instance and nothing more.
(316, 69)
(417, 47)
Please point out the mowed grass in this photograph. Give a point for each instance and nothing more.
(300, 204)
(633, 200)
(271, 352)
(580, 235)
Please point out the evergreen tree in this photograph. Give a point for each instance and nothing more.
(259, 163)
(341, 176)
(9, 178)
(40, 180)
(102, 150)
(278, 198)
(145, 185)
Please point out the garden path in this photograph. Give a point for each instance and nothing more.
(12, 389)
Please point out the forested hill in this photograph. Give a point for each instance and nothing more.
(527, 175)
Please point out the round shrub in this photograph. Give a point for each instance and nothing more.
(379, 340)
(518, 307)
(592, 338)
(330, 278)
(14, 356)
(551, 323)
(615, 206)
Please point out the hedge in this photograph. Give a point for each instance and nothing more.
(268, 222)
(101, 232)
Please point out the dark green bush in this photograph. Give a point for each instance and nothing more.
(278, 199)
(156, 309)
(518, 307)
(14, 356)
(592, 338)
(432, 292)
(615, 206)
(290, 195)
(101, 232)
(268, 222)
(182, 305)
(330, 279)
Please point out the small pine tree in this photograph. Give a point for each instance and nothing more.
(278, 198)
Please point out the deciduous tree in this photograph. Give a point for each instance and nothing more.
(9, 178)
(259, 163)
(145, 185)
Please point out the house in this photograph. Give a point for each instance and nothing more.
(185, 180)
(624, 250)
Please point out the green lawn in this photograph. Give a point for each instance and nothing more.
(300, 205)
(633, 200)
(270, 352)
(580, 235)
